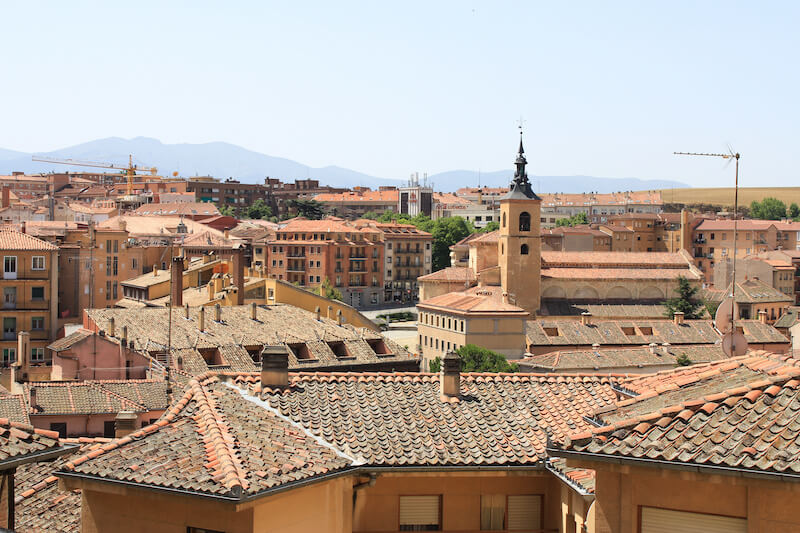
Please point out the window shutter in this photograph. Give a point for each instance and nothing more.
(666, 521)
(419, 510)
(524, 512)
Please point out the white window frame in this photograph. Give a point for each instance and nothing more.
(37, 354)
(36, 259)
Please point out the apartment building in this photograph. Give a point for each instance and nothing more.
(598, 207)
(354, 204)
(713, 240)
(777, 273)
(408, 256)
(306, 252)
(30, 298)
(576, 239)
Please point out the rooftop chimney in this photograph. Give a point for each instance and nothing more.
(339, 317)
(586, 318)
(32, 400)
(186, 311)
(762, 316)
(23, 348)
(155, 270)
(316, 312)
(505, 297)
(124, 423)
(678, 317)
(653, 348)
(217, 313)
(202, 318)
(111, 327)
(176, 282)
(450, 377)
(6, 196)
(253, 311)
(274, 366)
(124, 334)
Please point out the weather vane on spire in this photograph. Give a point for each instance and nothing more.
(520, 124)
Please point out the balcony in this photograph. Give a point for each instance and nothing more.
(700, 240)
(358, 257)
(296, 254)
(295, 268)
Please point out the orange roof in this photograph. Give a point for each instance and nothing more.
(599, 259)
(452, 273)
(15, 240)
(326, 225)
(618, 273)
(474, 300)
(616, 198)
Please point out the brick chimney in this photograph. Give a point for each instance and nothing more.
(274, 366)
(586, 318)
(316, 313)
(202, 319)
(678, 317)
(339, 317)
(23, 348)
(124, 423)
(176, 279)
(217, 313)
(450, 377)
(32, 400)
(186, 311)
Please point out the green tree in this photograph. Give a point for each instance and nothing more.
(794, 210)
(683, 360)
(574, 220)
(327, 290)
(491, 226)
(371, 215)
(477, 359)
(768, 209)
(446, 232)
(686, 301)
(258, 210)
(226, 210)
(310, 209)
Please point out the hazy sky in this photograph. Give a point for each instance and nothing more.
(605, 88)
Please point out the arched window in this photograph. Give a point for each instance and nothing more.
(502, 249)
(524, 221)
(523, 249)
(504, 220)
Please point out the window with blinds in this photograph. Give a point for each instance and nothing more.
(420, 513)
(667, 521)
(524, 512)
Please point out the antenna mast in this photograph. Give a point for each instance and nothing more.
(729, 155)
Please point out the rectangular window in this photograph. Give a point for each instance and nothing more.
(9, 356)
(116, 265)
(116, 246)
(108, 290)
(108, 265)
(37, 323)
(37, 262)
(493, 511)
(134, 264)
(524, 512)
(37, 294)
(37, 355)
(60, 428)
(114, 290)
(420, 513)
(10, 267)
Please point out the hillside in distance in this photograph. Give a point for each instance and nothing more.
(223, 160)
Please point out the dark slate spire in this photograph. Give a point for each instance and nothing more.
(520, 186)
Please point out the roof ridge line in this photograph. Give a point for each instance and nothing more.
(230, 467)
(275, 412)
(109, 392)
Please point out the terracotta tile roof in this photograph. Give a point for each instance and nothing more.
(748, 291)
(614, 259)
(473, 300)
(741, 414)
(621, 358)
(13, 408)
(19, 442)
(14, 240)
(65, 343)
(447, 198)
(746, 225)
(278, 324)
(210, 239)
(177, 209)
(616, 198)
(556, 308)
(788, 319)
(96, 396)
(450, 274)
(655, 273)
(326, 225)
(581, 479)
(400, 419)
(213, 441)
(40, 505)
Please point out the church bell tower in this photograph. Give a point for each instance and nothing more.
(520, 243)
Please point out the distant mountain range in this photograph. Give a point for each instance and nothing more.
(223, 160)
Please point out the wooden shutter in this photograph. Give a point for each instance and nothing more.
(419, 510)
(666, 521)
(524, 512)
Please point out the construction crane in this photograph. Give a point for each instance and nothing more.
(130, 171)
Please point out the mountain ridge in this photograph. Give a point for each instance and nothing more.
(222, 160)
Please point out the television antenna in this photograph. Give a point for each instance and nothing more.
(733, 342)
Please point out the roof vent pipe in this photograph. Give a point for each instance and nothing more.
(217, 313)
(450, 378)
(253, 311)
(186, 311)
(111, 328)
(339, 317)
(202, 319)
(678, 317)
(316, 313)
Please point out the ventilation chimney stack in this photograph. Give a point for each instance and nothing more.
(653, 348)
(274, 367)
(124, 423)
(586, 318)
(450, 378)
(186, 311)
(202, 318)
(678, 317)
(155, 270)
(339, 317)
(176, 281)
(32, 400)
(316, 313)
(253, 311)
(762, 316)
(111, 327)
(124, 335)
(217, 313)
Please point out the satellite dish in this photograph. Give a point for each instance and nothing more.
(734, 344)
(724, 315)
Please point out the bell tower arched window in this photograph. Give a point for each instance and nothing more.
(504, 220)
(523, 249)
(524, 221)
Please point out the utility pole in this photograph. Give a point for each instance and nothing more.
(737, 343)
